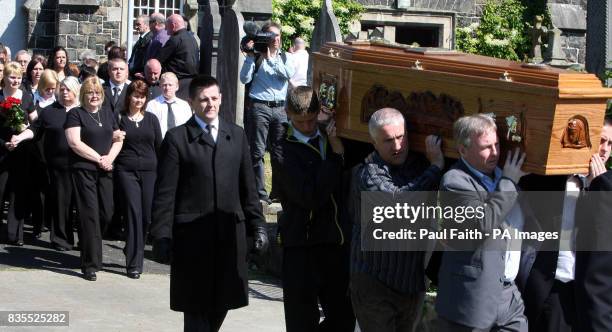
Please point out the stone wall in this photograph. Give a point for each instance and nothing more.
(41, 25)
(74, 25)
(88, 27)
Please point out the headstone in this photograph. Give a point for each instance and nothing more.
(599, 38)
(326, 30)
(537, 33)
(554, 52)
(326, 27)
(376, 33)
(229, 63)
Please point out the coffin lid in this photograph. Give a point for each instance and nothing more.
(571, 84)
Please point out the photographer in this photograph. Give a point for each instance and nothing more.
(269, 72)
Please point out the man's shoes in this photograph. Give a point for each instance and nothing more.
(37, 234)
(91, 276)
(133, 275)
(17, 243)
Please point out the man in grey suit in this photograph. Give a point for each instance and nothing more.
(477, 291)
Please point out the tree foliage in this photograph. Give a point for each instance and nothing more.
(297, 17)
(502, 32)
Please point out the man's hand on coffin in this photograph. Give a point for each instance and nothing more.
(433, 150)
(512, 168)
(334, 140)
(596, 168)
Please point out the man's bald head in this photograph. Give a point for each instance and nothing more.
(152, 71)
(174, 23)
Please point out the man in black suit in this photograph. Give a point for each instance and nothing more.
(206, 202)
(594, 268)
(180, 54)
(549, 292)
(116, 87)
(137, 59)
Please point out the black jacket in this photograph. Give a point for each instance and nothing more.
(310, 190)
(108, 99)
(205, 200)
(180, 55)
(137, 59)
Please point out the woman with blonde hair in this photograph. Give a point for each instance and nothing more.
(45, 92)
(12, 160)
(89, 132)
(50, 130)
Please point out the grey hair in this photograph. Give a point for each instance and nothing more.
(158, 18)
(145, 19)
(20, 52)
(467, 126)
(72, 83)
(384, 117)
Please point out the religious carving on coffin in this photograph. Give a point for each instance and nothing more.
(328, 96)
(510, 120)
(576, 133)
(425, 112)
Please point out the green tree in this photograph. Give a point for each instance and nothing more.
(501, 33)
(297, 17)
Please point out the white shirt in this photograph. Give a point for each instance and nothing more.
(113, 86)
(300, 62)
(512, 258)
(180, 109)
(214, 124)
(567, 258)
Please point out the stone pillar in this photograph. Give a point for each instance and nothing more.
(599, 37)
(87, 24)
(41, 28)
(229, 63)
(208, 30)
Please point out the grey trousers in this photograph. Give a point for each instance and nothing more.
(381, 309)
(510, 315)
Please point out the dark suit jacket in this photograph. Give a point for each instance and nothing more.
(180, 55)
(137, 59)
(471, 282)
(108, 99)
(205, 200)
(594, 268)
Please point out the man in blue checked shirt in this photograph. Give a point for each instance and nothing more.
(269, 74)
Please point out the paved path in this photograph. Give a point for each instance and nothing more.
(36, 277)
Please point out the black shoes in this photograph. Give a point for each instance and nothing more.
(133, 275)
(17, 243)
(91, 276)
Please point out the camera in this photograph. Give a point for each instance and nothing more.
(260, 38)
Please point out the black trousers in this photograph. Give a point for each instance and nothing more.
(38, 182)
(313, 275)
(94, 201)
(558, 311)
(13, 187)
(137, 188)
(203, 322)
(59, 199)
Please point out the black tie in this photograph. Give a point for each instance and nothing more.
(314, 142)
(171, 121)
(209, 128)
(116, 95)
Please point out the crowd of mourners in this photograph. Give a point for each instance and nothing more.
(134, 148)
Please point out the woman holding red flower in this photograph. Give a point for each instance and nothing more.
(15, 105)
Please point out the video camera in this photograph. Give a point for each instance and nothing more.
(260, 38)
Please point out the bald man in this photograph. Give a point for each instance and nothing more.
(180, 54)
(152, 72)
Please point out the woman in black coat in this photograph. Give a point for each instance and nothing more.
(12, 159)
(89, 132)
(135, 168)
(49, 128)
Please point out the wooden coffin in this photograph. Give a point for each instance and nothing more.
(554, 115)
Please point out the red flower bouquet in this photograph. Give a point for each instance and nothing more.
(14, 116)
